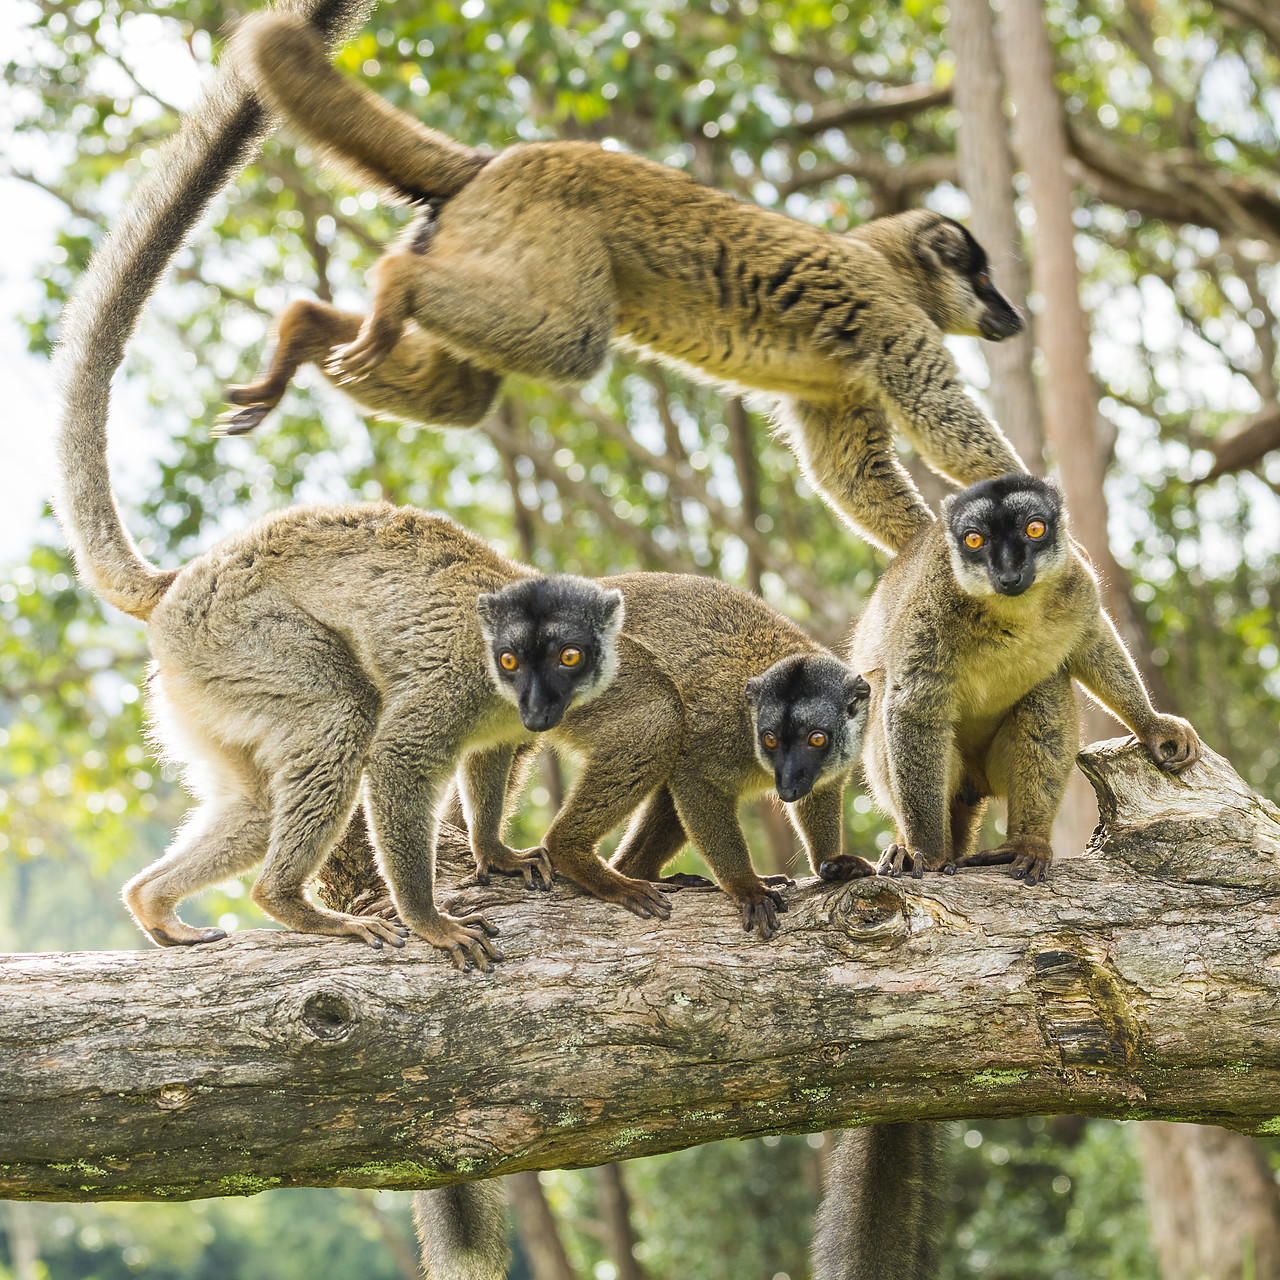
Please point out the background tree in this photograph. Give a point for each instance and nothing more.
(833, 113)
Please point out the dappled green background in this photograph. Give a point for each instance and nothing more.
(639, 469)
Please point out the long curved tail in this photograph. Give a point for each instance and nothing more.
(371, 139)
(882, 1208)
(216, 139)
(463, 1232)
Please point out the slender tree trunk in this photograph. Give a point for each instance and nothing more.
(537, 1227)
(615, 1210)
(986, 173)
(24, 1252)
(403, 1254)
(1215, 1212)
(1221, 1170)
(1068, 392)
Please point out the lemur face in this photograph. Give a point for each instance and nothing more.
(809, 715)
(550, 641)
(962, 296)
(1005, 534)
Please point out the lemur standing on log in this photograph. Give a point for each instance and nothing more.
(535, 261)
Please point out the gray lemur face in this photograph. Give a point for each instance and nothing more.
(809, 715)
(1005, 534)
(960, 294)
(550, 641)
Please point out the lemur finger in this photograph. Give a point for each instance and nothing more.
(478, 921)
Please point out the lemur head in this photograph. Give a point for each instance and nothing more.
(1004, 534)
(808, 715)
(951, 270)
(550, 641)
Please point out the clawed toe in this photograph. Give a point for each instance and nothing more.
(237, 422)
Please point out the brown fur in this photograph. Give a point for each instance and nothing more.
(670, 744)
(971, 698)
(549, 252)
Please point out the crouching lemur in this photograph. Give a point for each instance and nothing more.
(533, 261)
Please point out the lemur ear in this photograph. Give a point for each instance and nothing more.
(611, 609)
(752, 691)
(857, 691)
(485, 605)
(942, 247)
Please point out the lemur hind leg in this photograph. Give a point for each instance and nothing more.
(1029, 762)
(420, 381)
(550, 319)
(225, 836)
(654, 836)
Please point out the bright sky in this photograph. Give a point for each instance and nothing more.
(28, 217)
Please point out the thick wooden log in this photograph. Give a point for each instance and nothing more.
(1143, 980)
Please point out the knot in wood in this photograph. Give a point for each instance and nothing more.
(871, 910)
(328, 1015)
(173, 1096)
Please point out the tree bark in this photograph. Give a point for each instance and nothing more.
(986, 173)
(1141, 981)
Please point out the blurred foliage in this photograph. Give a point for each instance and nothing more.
(637, 469)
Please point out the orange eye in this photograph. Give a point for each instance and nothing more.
(570, 657)
(508, 660)
(769, 740)
(973, 540)
(817, 739)
(1035, 529)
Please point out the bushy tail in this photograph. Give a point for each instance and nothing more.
(216, 139)
(463, 1232)
(369, 138)
(883, 1205)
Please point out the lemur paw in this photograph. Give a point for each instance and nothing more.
(760, 910)
(846, 866)
(898, 858)
(237, 422)
(465, 938)
(532, 865)
(1172, 743)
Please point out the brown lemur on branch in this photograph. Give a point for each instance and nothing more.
(324, 649)
(970, 642)
(536, 260)
(716, 697)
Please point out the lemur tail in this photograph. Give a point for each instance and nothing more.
(463, 1232)
(882, 1208)
(371, 139)
(216, 139)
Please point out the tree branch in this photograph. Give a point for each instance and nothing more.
(893, 104)
(1139, 982)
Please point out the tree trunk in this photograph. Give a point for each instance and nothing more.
(537, 1227)
(986, 173)
(24, 1251)
(272, 1059)
(1215, 1213)
(615, 1211)
(1068, 390)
